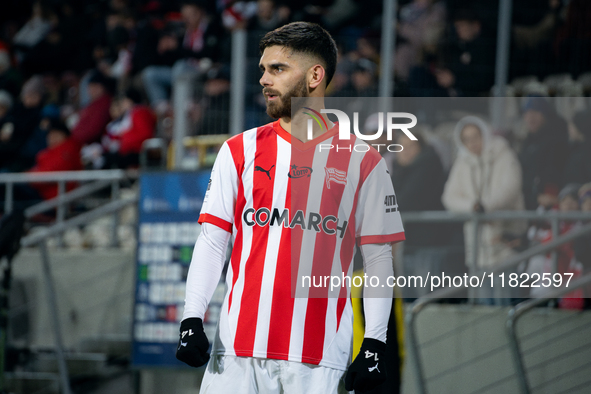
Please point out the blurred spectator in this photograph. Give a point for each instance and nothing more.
(467, 62)
(34, 30)
(61, 48)
(132, 124)
(37, 141)
(420, 27)
(363, 84)
(534, 24)
(114, 41)
(568, 198)
(364, 58)
(418, 178)
(10, 78)
(585, 198)
(541, 232)
(534, 27)
(119, 5)
(145, 48)
(567, 261)
(268, 17)
(485, 177)
(578, 164)
(5, 103)
(315, 10)
(543, 153)
(118, 65)
(368, 47)
(215, 104)
(364, 78)
(18, 125)
(341, 82)
(582, 246)
(94, 118)
(574, 39)
(62, 154)
(237, 13)
(200, 45)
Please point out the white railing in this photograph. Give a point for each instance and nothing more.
(90, 182)
(478, 218)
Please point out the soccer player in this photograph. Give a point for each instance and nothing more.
(291, 209)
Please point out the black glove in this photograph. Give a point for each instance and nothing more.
(368, 370)
(193, 344)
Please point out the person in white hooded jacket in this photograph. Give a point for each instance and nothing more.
(485, 177)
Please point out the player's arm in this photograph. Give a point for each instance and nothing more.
(377, 301)
(368, 370)
(208, 258)
(204, 274)
(378, 225)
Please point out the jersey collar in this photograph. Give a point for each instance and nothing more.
(308, 144)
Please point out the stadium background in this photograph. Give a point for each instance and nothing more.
(152, 71)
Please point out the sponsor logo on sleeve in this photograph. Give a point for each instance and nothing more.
(207, 191)
(391, 203)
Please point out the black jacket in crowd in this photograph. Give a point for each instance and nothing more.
(24, 121)
(472, 64)
(543, 158)
(419, 187)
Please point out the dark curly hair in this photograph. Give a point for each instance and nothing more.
(308, 38)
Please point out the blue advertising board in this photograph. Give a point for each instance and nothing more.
(169, 207)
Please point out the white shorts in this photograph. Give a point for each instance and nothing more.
(248, 375)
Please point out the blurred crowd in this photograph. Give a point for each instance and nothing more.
(542, 163)
(83, 83)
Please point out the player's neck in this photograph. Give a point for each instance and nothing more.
(298, 126)
(299, 130)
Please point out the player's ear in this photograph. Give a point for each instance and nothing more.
(316, 76)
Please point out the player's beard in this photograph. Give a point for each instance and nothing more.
(281, 107)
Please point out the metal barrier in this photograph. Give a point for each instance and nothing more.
(478, 218)
(97, 180)
(517, 312)
(39, 239)
(419, 304)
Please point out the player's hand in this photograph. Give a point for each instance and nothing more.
(193, 343)
(368, 370)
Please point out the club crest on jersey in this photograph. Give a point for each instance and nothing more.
(299, 172)
(338, 176)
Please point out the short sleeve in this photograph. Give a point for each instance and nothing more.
(377, 217)
(220, 198)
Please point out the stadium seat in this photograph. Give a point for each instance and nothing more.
(569, 99)
(518, 84)
(585, 81)
(535, 87)
(555, 81)
(510, 111)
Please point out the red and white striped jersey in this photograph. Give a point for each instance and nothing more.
(295, 210)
